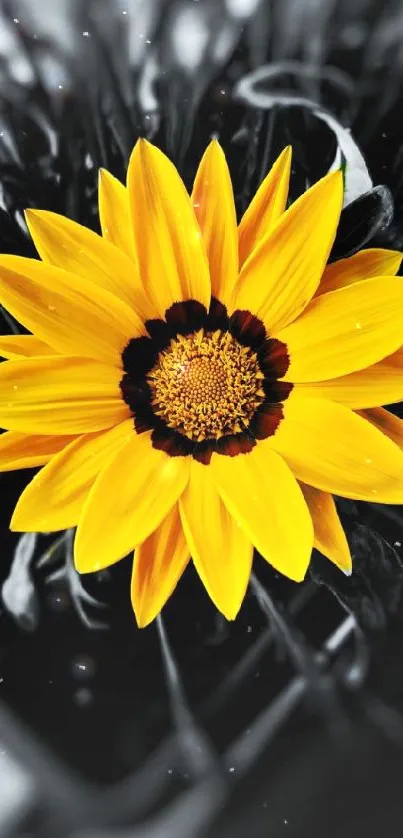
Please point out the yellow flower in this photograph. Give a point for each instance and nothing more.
(196, 388)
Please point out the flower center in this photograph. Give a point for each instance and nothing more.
(206, 385)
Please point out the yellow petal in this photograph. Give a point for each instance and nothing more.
(345, 330)
(158, 565)
(329, 536)
(221, 552)
(172, 258)
(114, 213)
(59, 395)
(283, 271)
(366, 264)
(266, 502)
(68, 245)
(213, 201)
(381, 383)
(266, 206)
(16, 347)
(330, 447)
(29, 450)
(64, 310)
(53, 500)
(386, 422)
(127, 502)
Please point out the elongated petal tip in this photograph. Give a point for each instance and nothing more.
(86, 561)
(215, 145)
(103, 175)
(339, 554)
(138, 150)
(336, 176)
(331, 184)
(286, 154)
(38, 221)
(32, 215)
(141, 619)
(144, 616)
(29, 216)
(299, 573)
(144, 147)
(231, 612)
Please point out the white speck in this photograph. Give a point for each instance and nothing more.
(398, 543)
(248, 629)
(374, 491)
(16, 20)
(223, 92)
(15, 387)
(358, 325)
(148, 41)
(86, 34)
(285, 821)
(231, 769)
(170, 770)
(60, 86)
(124, 12)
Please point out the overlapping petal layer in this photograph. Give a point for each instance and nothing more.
(331, 448)
(386, 422)
(19, 450)
(59, 395)
(213, 202)
(64, 311)
(282, 273)
(221, 552)
(171, 254)
(114, 214)
(53, 500)
(16, 347)
(128, 501)
(266, 206)
(366, 264)
(344, 331)
(381, 383)
(68, 245)
(263, 497)
(329, 536)
(157, 567)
